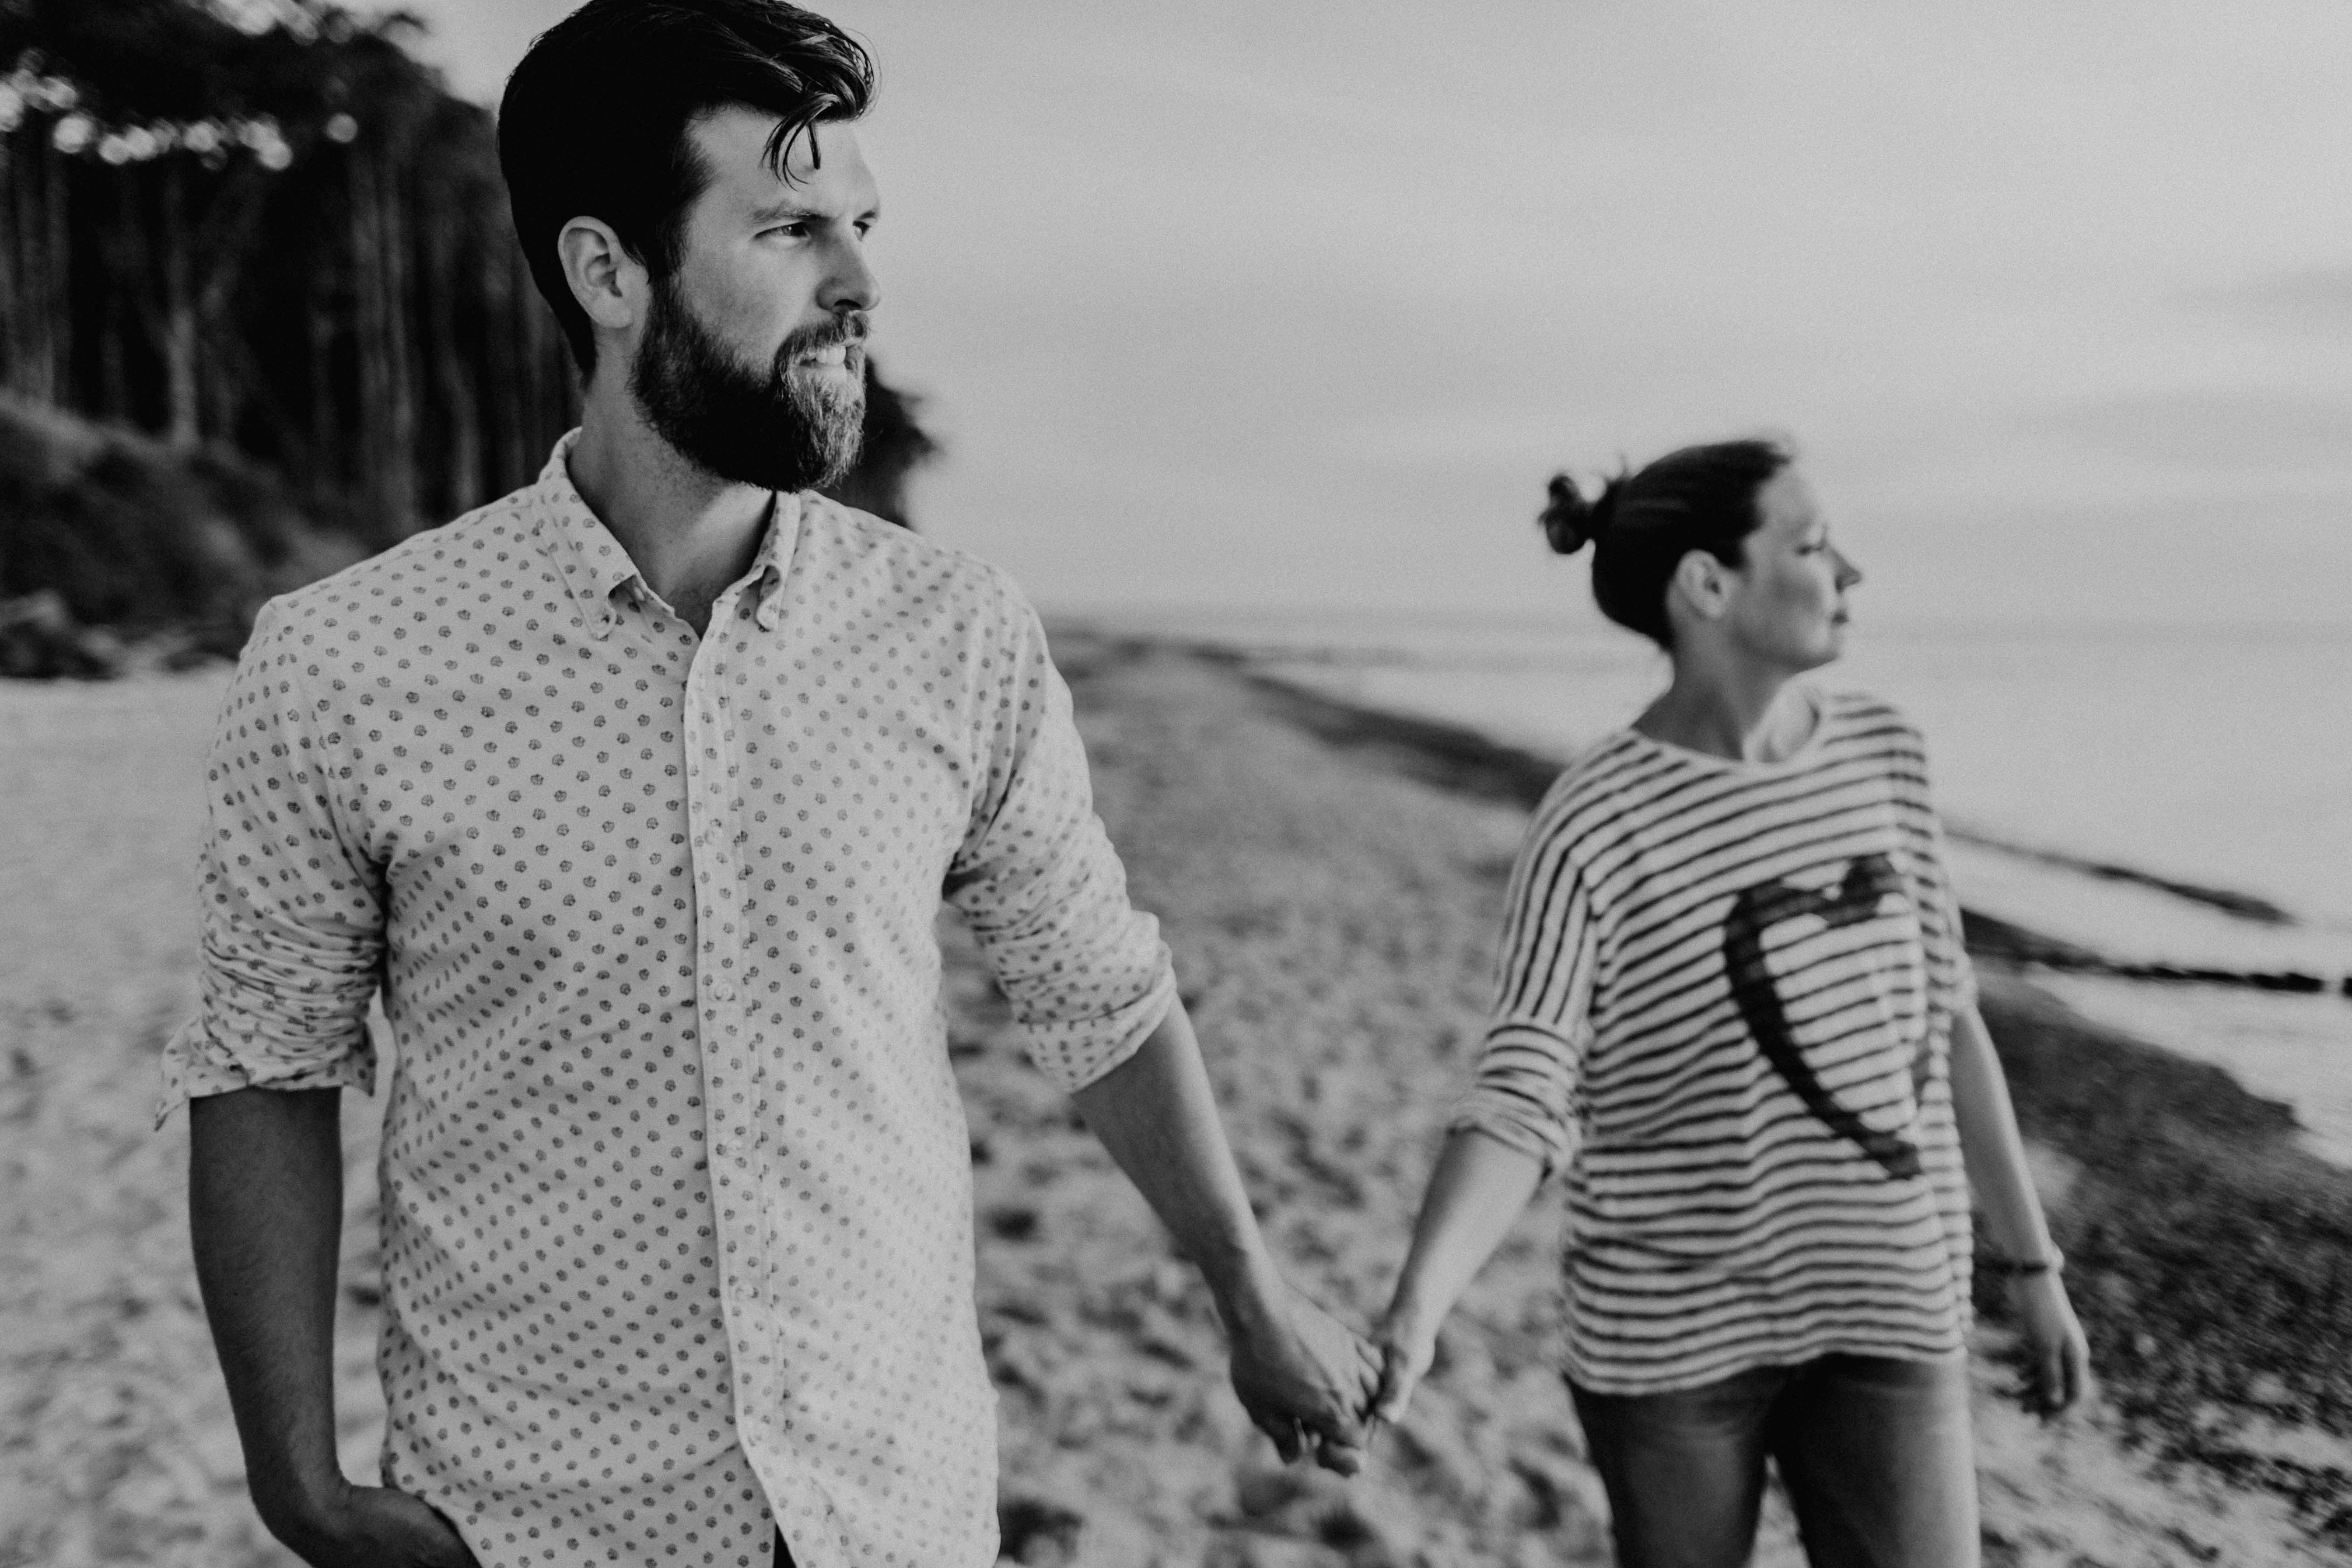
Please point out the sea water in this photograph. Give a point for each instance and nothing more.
(2215, 758)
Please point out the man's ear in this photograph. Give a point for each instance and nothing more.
(1703, 582)
(609, 283)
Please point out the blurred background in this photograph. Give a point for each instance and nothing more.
(1275, 305)
(1265, 324)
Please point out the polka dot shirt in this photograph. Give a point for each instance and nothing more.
(677, 1240)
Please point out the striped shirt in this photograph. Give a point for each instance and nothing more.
(1723, 1007)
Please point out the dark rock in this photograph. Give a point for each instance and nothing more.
(40, 641)
(1036, 1533)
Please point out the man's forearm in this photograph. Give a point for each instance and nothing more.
(1157, 1115)
(266, 1213)
(1303, 1377)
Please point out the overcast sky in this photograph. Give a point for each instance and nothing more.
(1275, 303)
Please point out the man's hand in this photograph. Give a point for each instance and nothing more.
(2057, 1358)
(373, 1527)
(1303, 1377)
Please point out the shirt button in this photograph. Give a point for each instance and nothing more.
(721, 991)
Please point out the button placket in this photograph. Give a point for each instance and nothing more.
(725, 1097)
(706, 794)
(730, 1070)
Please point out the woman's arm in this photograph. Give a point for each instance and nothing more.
(1477, 1193)
(2011, 1214)
(1519, 1118)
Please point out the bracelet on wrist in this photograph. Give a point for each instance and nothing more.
(2053, 1261)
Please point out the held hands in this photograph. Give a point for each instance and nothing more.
(1304, 1378)
(2057, 1370)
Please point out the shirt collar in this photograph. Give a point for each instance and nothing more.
(775, 557)
(593, 564)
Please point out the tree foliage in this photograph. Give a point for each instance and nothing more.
(264, 226)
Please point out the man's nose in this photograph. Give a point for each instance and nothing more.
(1848, 573)
(850, 282)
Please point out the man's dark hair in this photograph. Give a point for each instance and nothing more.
(596, 118)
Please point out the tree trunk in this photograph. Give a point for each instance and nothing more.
(227, 372)
(327, 467)
(33, 375)
(508, 286)
(452, 371)
(113, 370)
(30, 375)
(61, 274)
(372, 330)
(400, 369)
(183, 420)
(122, 259)
(12, 302)
(56, 311)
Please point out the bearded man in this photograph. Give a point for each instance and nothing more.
(635, 796)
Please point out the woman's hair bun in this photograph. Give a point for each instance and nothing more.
(1570, 521)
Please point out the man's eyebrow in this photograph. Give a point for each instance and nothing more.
(794, 212)
(772, 212)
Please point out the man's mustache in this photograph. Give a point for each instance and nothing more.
(846, 328)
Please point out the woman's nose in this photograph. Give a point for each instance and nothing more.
(1848, 573)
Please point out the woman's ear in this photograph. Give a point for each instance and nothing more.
(1702, 584)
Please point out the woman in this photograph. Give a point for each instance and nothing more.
(1733, 1007)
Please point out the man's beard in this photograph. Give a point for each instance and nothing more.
(773, 430)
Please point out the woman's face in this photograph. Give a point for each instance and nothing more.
(1788, 604)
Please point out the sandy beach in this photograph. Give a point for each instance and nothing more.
(1330, 887)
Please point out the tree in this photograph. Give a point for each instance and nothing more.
(265, 225)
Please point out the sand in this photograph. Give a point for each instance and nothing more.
(1332, 923)
(115, 1439)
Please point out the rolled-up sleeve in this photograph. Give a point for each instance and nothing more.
(1528, 1089)
(292, 920)
(1044, 892)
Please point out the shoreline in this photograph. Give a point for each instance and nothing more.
(2246, 906)
(1460, 758)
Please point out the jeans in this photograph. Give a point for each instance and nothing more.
(1875, 1454)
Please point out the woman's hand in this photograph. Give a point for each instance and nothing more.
(1478, 1189)
(1406, 1347)
(2057, 1357)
